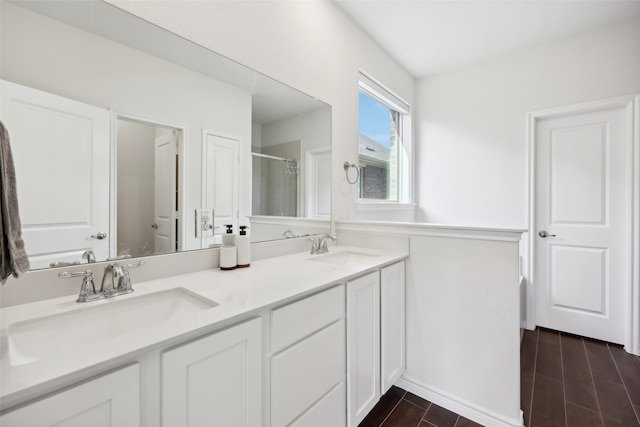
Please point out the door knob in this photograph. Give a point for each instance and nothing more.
(101, 235)
(544, 234)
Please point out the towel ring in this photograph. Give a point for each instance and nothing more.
(346, 166)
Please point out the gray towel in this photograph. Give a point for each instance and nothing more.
(13, 257)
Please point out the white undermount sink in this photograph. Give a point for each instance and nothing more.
(35, 339)
(344, 258)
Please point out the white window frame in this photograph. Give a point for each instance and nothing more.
(376, 90)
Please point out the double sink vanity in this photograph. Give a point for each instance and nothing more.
(297, 339)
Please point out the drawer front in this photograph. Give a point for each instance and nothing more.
(302, 374)
(297, 320)
(331, 410)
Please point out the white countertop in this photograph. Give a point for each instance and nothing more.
(240, 293)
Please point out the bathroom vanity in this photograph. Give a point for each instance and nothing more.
(294, 340)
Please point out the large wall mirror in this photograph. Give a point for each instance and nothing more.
(131, 141)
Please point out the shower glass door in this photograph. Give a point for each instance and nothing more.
(275, 186)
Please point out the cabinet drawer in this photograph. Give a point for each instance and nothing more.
(331, 410)
(297, 320)
(302, 374)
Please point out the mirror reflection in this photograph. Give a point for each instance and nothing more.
(147, 192)
(131, 141)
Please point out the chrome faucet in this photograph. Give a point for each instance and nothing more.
(319, 245)
(121, 273)
(88, 289)
(108, 288)
(89, 256)
(115, 270)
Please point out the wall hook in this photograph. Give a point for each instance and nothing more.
(346, 166)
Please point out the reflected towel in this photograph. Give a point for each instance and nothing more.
(13, 257)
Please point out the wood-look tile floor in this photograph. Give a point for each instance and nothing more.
(566, 381)
(403, 409)
(570, 381)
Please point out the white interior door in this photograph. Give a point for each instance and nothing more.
(318, 183)
(221, 176)
(165, 206)
(582, 201)
(61, 153)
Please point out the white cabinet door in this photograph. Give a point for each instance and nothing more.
(216, 380)
(112, 400)
(392, 324)
(363, 346)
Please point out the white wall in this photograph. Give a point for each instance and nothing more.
(462, 315)
(472, 127)
(56, 58)
(310, 45)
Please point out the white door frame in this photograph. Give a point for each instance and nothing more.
(631, 104)
(113, 178)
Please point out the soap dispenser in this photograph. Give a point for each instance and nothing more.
(228, 252)
(244, 248)
(229, 238)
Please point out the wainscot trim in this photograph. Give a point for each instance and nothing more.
(431, 230)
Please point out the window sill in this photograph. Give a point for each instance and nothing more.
(376, 205)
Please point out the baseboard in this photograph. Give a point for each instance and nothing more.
(459, 406)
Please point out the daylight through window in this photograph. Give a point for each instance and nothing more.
(382, 153)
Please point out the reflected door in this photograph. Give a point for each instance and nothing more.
(221, 179)
(165, 198)
(582, 196)
(319, 184)
(63, 191)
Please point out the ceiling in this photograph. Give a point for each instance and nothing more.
(431, 36)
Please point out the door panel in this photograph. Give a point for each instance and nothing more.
(583, 289)
(582, 200)
(59, 211)
(165, 193)
(579, 159)
(318, 184)
(221, 179)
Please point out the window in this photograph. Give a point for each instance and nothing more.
(383, 144)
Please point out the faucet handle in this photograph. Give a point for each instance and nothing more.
(124, 282)
(314, 245)
(133, 265)
(88, 288)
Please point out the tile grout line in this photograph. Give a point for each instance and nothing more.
(564, 388)
(394, 408)
(535, 371)
(593, 381)
(624, 384)
(425, 413)
(418, 406)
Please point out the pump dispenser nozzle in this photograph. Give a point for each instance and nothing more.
(244, 248)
